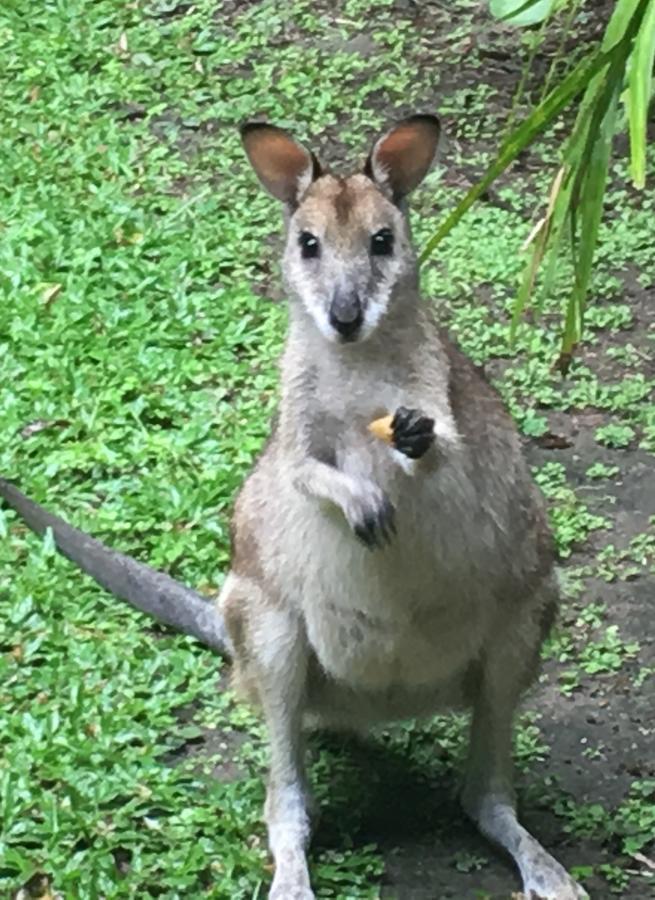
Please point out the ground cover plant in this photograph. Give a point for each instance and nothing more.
(138, 337)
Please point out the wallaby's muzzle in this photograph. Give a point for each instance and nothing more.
(346, 315)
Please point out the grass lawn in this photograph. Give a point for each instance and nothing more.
(138, 340)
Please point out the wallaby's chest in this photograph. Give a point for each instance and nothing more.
(412, 614)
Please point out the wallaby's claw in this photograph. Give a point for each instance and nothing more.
(413, 433)
(377, 526)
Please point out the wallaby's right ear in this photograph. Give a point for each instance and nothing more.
(284, 167)
(402, 157)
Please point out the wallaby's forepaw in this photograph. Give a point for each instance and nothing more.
(413, 433)
(370, 514)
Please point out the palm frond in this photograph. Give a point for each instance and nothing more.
(621, 67)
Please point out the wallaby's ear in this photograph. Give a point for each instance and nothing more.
(284, 167)
(401, 158)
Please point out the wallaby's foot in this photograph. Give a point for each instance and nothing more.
(288, 891)
(413, 432)
(545, 879)
(370, 514)
(287, 815)
(542, 876)
(291, 882)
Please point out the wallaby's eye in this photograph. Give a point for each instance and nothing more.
(382, 242)
(309, 245)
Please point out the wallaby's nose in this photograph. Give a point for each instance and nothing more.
(346, 314)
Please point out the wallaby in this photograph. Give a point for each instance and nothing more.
(370, 581)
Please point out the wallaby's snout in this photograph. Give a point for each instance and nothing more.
(348, 257)
(346, 314)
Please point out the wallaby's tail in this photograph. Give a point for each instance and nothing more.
(142, 586)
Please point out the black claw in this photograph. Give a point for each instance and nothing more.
(416, 447)
(363, 537)
(388, 520)
(378, 528)
(371, 526)
(366, 533)
(413, 433)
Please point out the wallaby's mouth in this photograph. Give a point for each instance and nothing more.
(348, 332)
(346, 316)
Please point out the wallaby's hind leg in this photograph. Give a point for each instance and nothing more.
(287, 802)
(271, 660)
(488, 794)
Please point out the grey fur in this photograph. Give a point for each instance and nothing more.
(148, 590)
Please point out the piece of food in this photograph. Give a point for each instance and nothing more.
(382, 429)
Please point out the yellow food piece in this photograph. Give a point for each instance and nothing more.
(382, 429)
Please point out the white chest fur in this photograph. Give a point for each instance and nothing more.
(408, 615)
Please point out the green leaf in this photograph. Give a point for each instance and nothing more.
(593, 193)
(529, 277)
(640, 88)
(590, 157)
(521, 12)
(618, 23)
(523, 135)
(573, 154)
(542, 237)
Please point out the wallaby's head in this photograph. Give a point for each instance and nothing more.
(348, 252)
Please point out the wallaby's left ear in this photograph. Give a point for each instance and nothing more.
(401, 158)
(283, 165)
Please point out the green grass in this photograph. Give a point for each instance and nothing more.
(137, 378)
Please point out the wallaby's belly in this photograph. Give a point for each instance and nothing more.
(385, 637)
(383, 652)
(406, 616)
